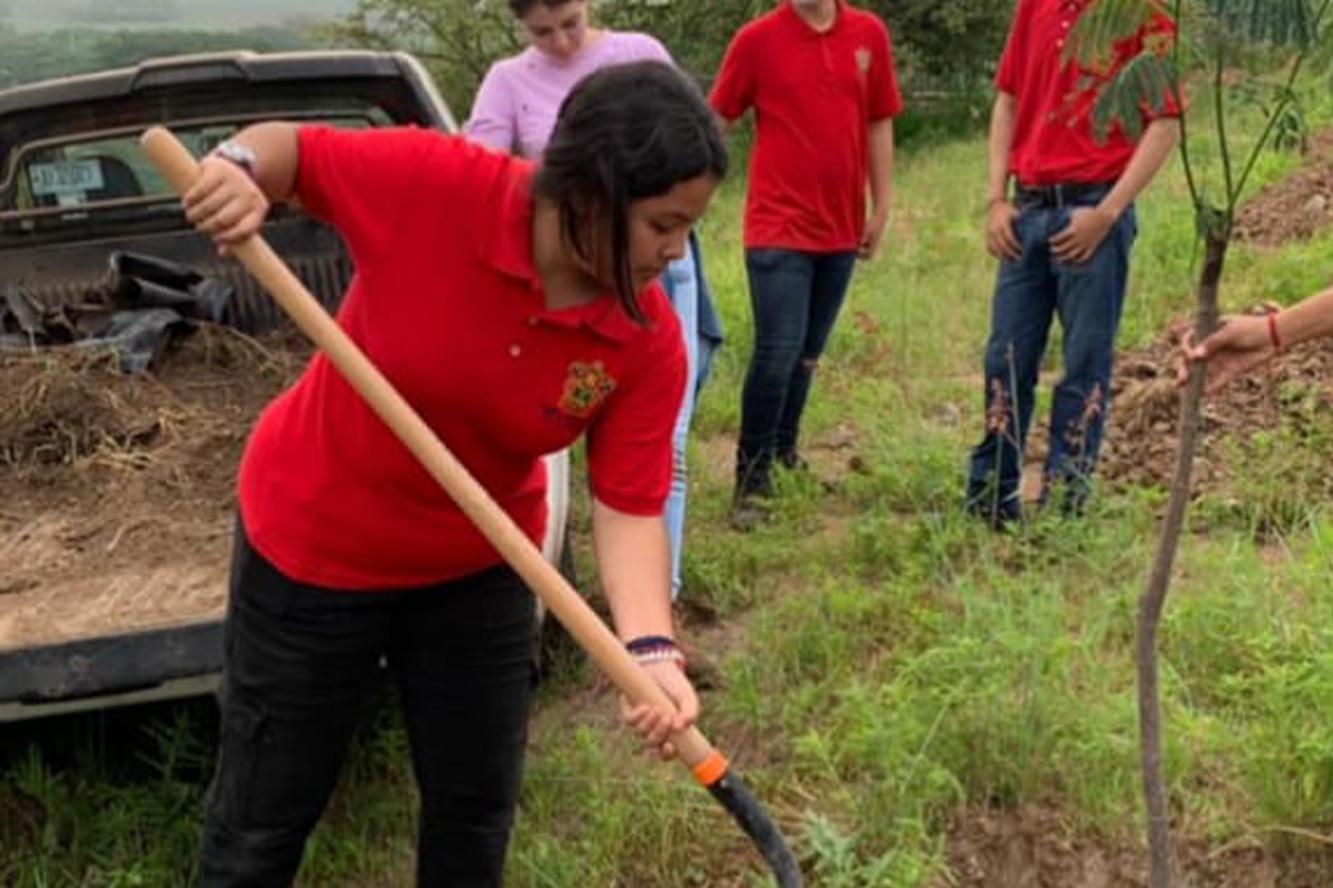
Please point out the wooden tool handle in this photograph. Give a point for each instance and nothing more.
(181, 170)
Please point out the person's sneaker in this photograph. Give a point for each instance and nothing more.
(748, 512)
(1001, 513)
(755, 481)
(754, 487)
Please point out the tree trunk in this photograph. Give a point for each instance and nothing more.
(1152, 601)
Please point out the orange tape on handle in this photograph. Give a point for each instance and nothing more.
(712, 769)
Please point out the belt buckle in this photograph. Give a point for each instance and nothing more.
(1059, 197)
(1034, 196)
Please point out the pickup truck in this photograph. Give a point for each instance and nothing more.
(116, 507)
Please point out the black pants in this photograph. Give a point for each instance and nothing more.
(300, 661)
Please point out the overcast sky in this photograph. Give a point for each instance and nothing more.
(196, 13)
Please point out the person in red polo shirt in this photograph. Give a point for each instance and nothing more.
(819, 75)
(516, 307)
(1063, 238)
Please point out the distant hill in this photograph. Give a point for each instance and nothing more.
(47, 14)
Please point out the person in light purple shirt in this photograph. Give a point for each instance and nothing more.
(515, 110)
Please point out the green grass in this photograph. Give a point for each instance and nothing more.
(887, 662)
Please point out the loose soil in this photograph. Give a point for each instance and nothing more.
(1295, 392)
(1033, 848)
(116, 491)
(1295, 207)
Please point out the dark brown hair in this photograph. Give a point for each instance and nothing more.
(625, 133)
(521, 8)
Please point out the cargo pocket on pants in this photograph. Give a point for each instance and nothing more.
(241, 744)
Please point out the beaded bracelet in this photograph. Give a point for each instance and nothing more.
(649, 643)
(661, 655)
(647, 649)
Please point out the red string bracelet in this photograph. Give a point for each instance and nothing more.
(1272, 330)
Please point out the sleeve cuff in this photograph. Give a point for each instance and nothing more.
(638, 505)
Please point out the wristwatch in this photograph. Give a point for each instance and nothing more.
(243, 157)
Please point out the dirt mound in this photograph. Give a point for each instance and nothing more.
(117, 490)
(1033, 848)
(1294, 394)
(1297, 206)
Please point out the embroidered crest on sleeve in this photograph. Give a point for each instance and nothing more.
(587, 386)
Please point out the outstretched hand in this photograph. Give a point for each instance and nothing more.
(1241, 344)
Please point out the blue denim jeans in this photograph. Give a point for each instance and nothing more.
(795, 297)
(681, 282)
(710, 325)
(1029, 293)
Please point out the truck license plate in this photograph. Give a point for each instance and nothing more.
(65, 177)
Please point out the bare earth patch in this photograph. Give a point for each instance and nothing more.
(116, 491)
(1032, 848)
(1296, 207)
(1296, 390)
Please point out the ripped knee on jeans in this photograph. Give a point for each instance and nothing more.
(810, 364)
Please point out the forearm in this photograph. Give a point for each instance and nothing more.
(1000, 142)
(277, 151)
(1310, 318)
(881, 166)
(633, 562)
(1158, 141)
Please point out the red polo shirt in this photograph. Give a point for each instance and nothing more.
(815, 96)
(447, 304)
(1053, 132)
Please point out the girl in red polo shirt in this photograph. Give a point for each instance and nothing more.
(516, 308)
(515, 109)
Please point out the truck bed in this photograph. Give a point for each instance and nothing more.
(117, 492)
